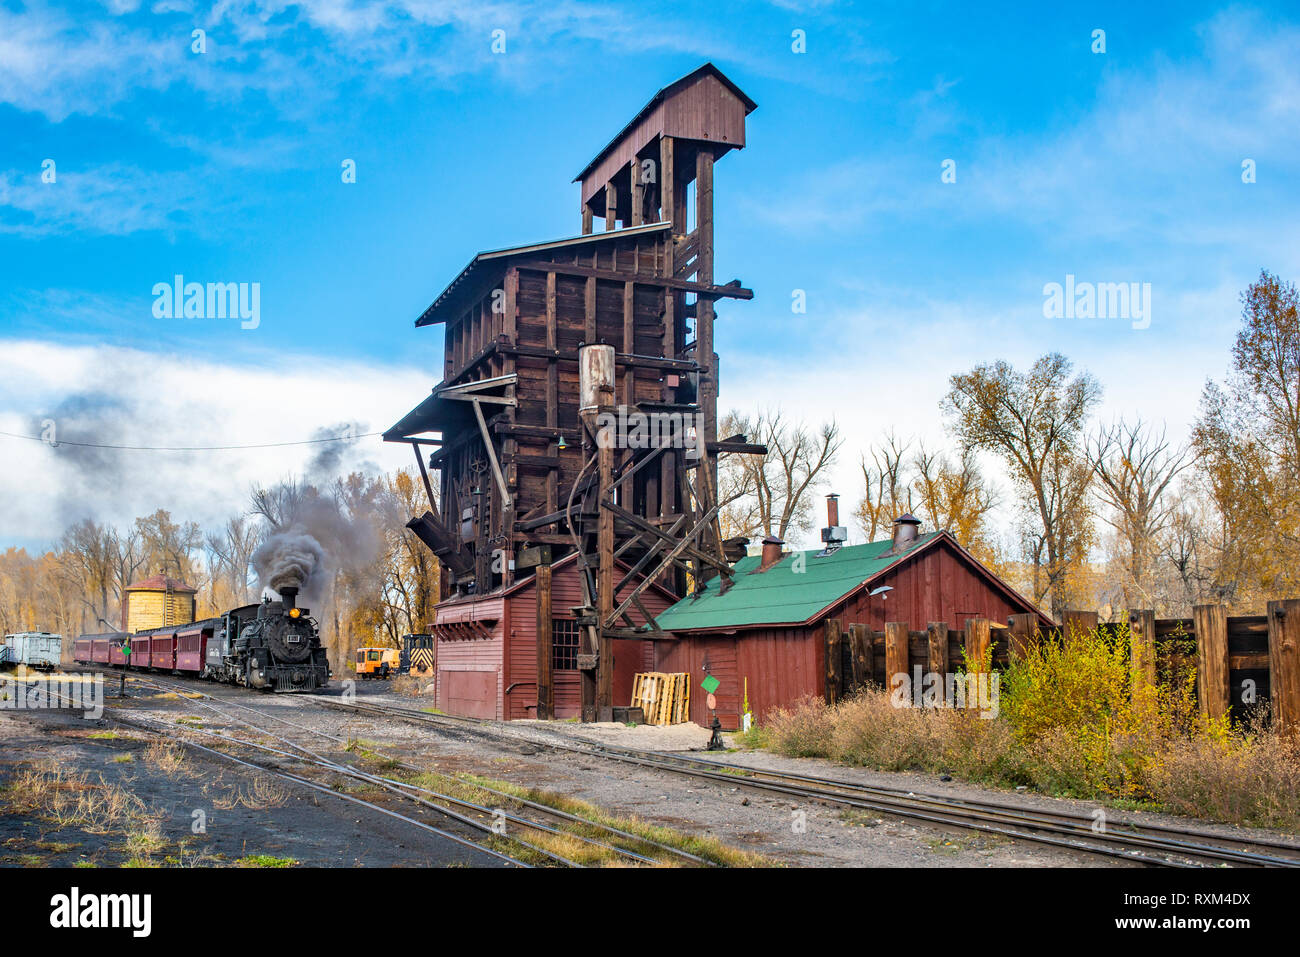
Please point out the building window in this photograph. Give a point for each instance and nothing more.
(564, 644)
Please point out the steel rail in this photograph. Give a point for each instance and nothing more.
(285, 775)
(350, 771)
(382, 781)
(904, 804)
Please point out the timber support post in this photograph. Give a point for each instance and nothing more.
(1284, 663)
(936, 633)
(1212, 691)
(1142, 649)
(545, 645)
(834, 677)
(1077, 621)
(896, 656)
(1020, 634)
(978, 640)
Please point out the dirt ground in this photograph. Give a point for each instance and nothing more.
(251, 820)
(145, 808)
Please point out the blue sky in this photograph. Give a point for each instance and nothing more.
(1122, 166)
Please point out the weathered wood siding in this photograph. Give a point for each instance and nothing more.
(458, 656)
(630, 656)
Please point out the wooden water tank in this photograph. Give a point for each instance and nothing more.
(157, 602)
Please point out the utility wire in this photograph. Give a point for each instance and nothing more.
(191, 448)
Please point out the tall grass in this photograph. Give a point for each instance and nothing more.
(1071, 722)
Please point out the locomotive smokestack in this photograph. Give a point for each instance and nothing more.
(289, 596)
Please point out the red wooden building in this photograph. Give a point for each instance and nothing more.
(765, 634)
(488, 648)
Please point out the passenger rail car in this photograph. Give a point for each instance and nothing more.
(274, 645)
(35, 649)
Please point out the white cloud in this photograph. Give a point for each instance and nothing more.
(121, 396)
(111, 200)
(887, 367)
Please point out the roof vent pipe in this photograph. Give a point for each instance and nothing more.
(771, 552)
(834, 534)
(907, 529)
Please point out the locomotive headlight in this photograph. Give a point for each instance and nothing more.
(295, 612)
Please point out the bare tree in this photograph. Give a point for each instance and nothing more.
(954, 496)
(888, 492)
(168, 546)
(1134, 466)
(87, 557)
(230, 555)
(776, 489)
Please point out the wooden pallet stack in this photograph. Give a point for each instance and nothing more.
(664, 698)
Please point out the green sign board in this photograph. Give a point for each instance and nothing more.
(710, 684)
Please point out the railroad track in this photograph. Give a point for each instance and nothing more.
(631, 848)
(1149, 844)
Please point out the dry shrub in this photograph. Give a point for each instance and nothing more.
(803, 731)
(1251, 780)
(167, 756)
(1069, 723)
(406, 685)
(869, 730)
(261, 793)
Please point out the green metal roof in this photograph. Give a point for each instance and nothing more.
(783, 595)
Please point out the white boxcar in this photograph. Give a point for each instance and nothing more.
(36, 649)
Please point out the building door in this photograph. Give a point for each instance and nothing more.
(716, 657)
(472, 694)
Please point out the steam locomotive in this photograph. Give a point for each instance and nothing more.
(274, 645)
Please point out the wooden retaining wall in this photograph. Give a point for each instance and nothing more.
(1241, 661)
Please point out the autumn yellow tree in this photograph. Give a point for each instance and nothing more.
(1034, 421)
(1248, 440)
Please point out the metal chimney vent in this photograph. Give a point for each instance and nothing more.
(834, 534)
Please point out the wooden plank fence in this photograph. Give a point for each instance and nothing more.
(1242, 661)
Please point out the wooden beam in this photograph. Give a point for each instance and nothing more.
(832, 635)
(638, 522)
(859, 656)
(611, 206)
(667, 182)
(1078, 621)
(936, 633)
(605, 579)
(589, 310)
(896, 656)
(1213, 692)
(424, 476)
(545, 644)
(1284, 663)
(629, 340)
(645, 583)
(492, 454)
(648, 557)
(1142, 649)
(638, 193)
(978, 639)
(704, 290)
(1020, 633)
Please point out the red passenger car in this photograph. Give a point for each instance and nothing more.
(191, 648)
